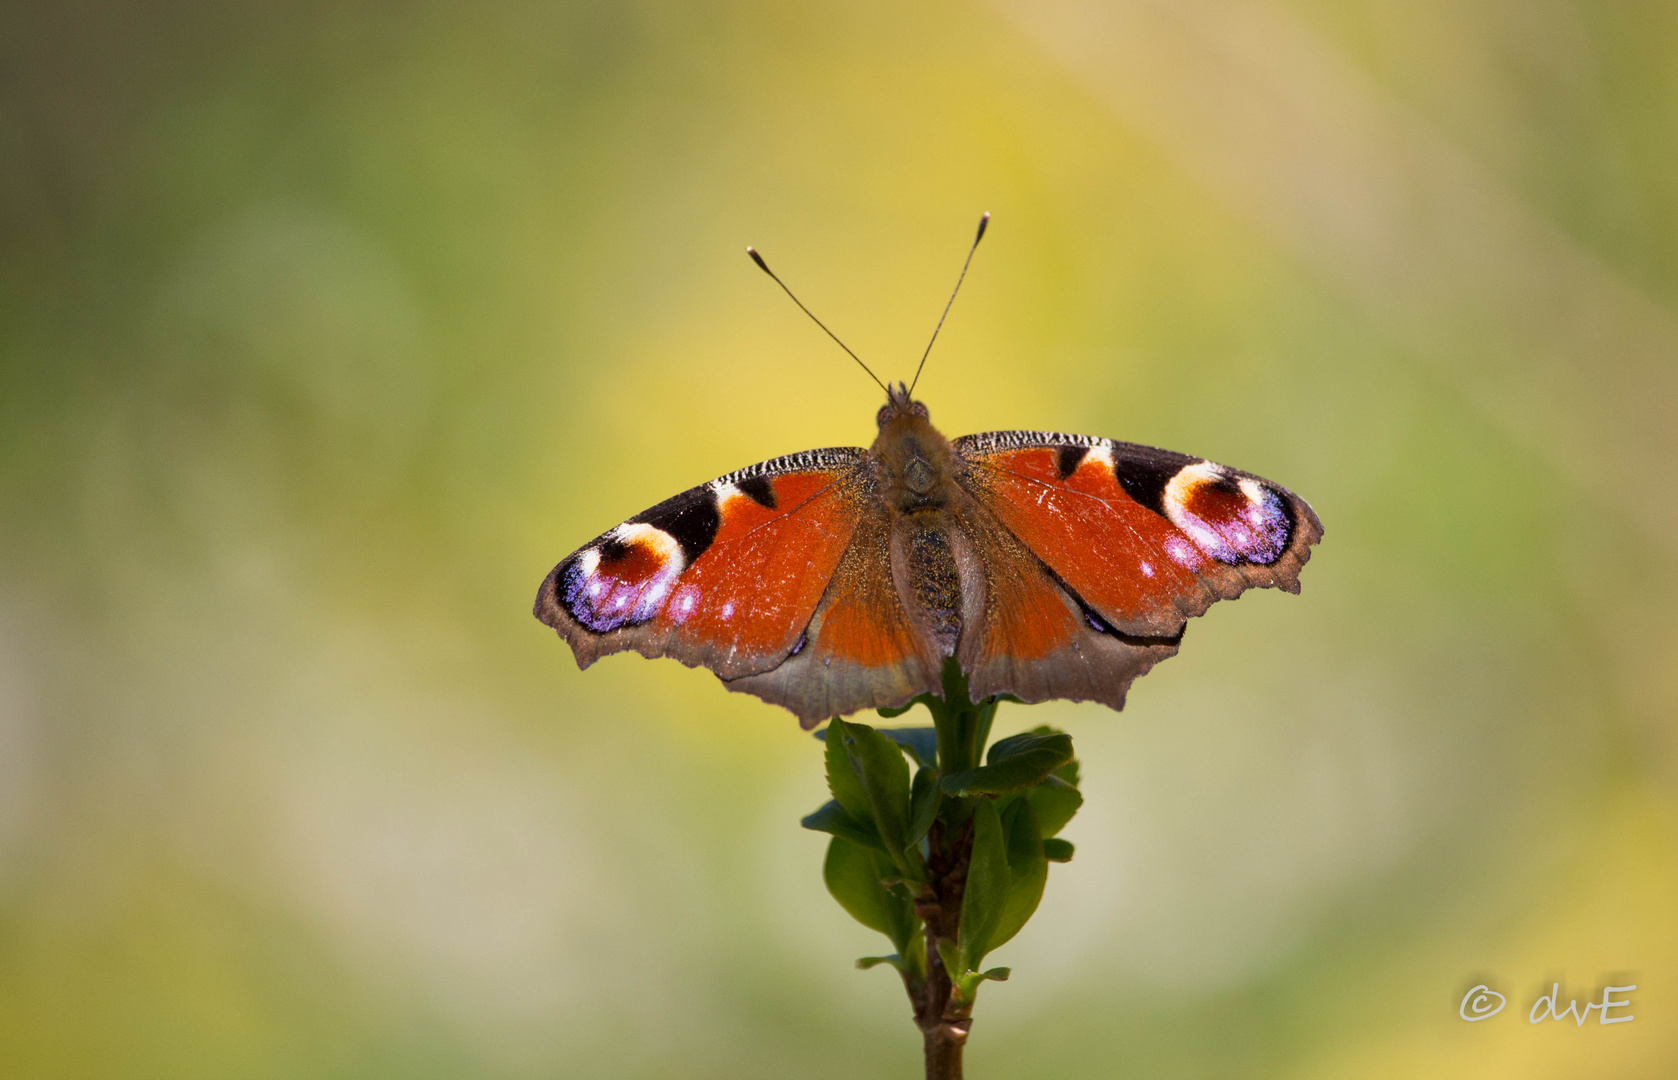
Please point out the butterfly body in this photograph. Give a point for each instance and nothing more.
(1045, 565)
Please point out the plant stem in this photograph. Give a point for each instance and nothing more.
(943, 1052)
(944, 1020)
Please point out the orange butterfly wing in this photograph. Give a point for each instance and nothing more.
(724, 575)
(1144, 538)
(1033, 638)
(1079, 561)
(776, 578)
(860, 650)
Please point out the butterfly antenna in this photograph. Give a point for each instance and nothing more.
(761, 265)
(984, 220)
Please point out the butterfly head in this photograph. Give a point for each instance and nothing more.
(898, 406)
(914, 456)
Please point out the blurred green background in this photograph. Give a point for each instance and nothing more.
(327, 329)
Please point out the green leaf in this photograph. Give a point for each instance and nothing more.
(948, 956)
(1015, 763)
(893, 714)
(911, 963)
(1067, 772)
(1057, 850)
(1055, 801)
(920, 743)
(985, 895)
(855, 876)
(879, 767)
(842, 779)
(923, 803)
(956, 692)
(1015, 745)
(831, 818)
(968, 984)
(1028, 871)
(914, 957)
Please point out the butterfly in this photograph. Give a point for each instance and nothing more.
(1045, 565)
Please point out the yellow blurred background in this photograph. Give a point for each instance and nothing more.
(327, 329)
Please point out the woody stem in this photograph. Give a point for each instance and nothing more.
(962, 729)
(943, 1022)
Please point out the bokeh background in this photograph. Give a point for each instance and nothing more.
(327, 328)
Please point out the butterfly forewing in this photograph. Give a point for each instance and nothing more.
(724, 575)
(1146, 538)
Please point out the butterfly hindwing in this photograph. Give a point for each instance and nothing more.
(1145, 538)
(1034, 639)
(861, 649)
(724, 575)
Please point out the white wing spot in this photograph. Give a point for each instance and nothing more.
(1182, 551)
(680, 608)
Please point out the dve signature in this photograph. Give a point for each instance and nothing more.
(1483, 1003)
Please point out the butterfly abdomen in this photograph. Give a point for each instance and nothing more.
(928, 581)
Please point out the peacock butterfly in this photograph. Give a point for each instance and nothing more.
(1045, 565)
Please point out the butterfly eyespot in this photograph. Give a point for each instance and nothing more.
(1232, 520)
(623, 581)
